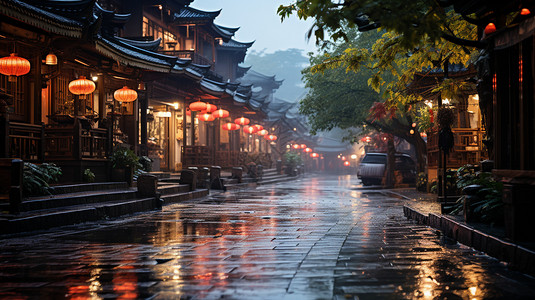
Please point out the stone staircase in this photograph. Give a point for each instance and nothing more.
(73, 204)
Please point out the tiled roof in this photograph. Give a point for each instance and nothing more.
(191, 14)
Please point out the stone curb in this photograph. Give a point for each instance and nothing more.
(518, 257)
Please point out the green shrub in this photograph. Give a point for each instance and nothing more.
(146, 163)
(37, 178)
(124, 158)
(89, 176)
(489, 207)
(421, 182)
(292, 159)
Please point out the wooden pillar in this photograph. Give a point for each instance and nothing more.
(143, 106)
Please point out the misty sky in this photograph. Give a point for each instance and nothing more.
(259, 22)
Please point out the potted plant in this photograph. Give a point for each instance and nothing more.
(292, 160)
(124, 162)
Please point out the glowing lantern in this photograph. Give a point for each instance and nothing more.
(423, 134)
(220, 113)
(206, 117)
(197, 106)
(210, 108)
(296, 146)
(258, 127)
(411, 131)
(51, 59)
(270, 137)
(125, 94)
(262, 132)
(249, 129)
(242, 121)
(231, 126)
(314, 155)
(14, 66)
(303, 146)
(413, 124)
(525, 12)
(82, 87)
(490, 28)
(308, 150)
(347, 163)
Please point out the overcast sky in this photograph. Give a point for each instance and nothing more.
(259, 22)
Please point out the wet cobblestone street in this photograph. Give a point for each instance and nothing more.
(312, 238)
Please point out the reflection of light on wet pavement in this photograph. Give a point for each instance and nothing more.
(314, 238)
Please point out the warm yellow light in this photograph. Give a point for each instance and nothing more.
(473, 290)
(353, 156)
(175, 105)
(51, 59)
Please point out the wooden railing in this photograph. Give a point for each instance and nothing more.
(205, 156)
(467, 149)
(25, 141)
(74, 142)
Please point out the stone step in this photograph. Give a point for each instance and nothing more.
(161, 175)
(45, 219)
(71, 199)
(180, 197)
(87, 187)
(168, 189)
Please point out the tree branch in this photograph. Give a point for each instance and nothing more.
(463, 42)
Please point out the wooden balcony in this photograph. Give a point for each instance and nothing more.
(467, 149)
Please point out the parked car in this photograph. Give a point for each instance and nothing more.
(372, 168)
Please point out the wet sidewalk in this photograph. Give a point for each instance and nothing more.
(492, 240)
(318, 237)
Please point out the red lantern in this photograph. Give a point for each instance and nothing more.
(296, 146)
(197, 106)
(303, 146)
(249, 129)
(525, 12)
(242, 121)
(210, 108)
(206, 117)
(314, 155)
(308, 150)
(347, 163)
(270, 137)
(14, 66)
(81, 86)
(220, 113)
(490, 28)
(262, 132)
(231, 126)
(125, 95)
(258, 127)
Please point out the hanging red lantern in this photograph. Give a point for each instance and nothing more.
(197, 106)
(249, 129)
(125, 94)
(296, 146)
(347, 163)
(210, 108)
(308, 150)
(206, 117)
(14, 66)
(270, 137)
(490, 28)
(220, 113)
(81, 86)
(231, 126)
(262, 132)
(525, 12)
(258, 127)
(303, 146)
(242, 121)
(314, 155)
